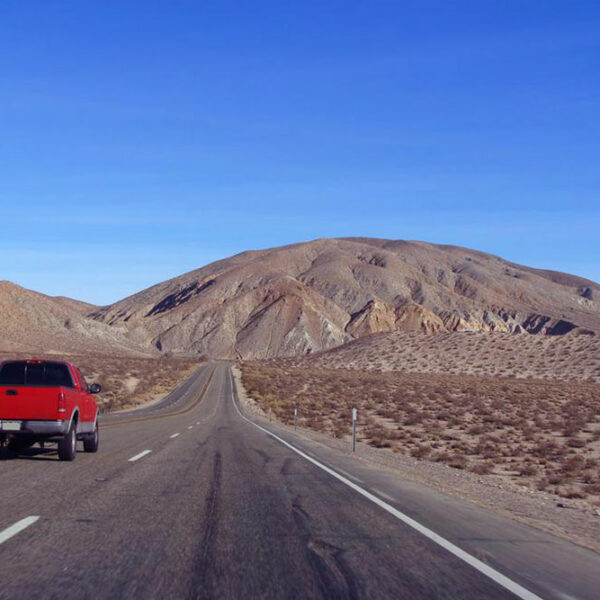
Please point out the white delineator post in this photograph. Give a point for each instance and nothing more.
(295, 416)
(354, 419)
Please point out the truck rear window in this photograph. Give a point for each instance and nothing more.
(49, 374)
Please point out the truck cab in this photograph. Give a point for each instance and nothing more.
(47, 401)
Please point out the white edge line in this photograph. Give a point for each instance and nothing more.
(174, 435)
(346, 474)
(140, 455)
(386, 496)
(486, 570)
(16, 528)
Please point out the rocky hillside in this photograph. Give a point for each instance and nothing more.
(316, 295)
(567, 358)
(32, 322)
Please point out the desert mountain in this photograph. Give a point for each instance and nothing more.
(316, 295)
(34, 323)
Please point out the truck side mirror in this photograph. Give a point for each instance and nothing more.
(95, 388)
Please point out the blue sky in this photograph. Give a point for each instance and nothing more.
(139, 140)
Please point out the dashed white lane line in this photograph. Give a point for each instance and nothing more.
(197, 422)
(11, 531)
(140, 455)
(190, 426)
(502, 580)
(174, 435)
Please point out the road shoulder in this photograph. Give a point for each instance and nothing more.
(567, 519)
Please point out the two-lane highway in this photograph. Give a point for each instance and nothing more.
(188, 499)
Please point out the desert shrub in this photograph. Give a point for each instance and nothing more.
(528, 470)
(482, 468)
(542, 484)
(593, 488)
(572, 493)
(421, 451)
(573, 465)
(457, 462)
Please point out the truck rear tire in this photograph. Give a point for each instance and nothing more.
(67, 445)
(91, 443)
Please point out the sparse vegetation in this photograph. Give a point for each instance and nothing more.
(567, 358)
(544, 435)
(126, 381)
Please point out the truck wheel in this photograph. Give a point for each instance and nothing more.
(91, 443)
(67, 445)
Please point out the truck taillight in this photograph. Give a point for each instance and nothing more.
(62, 408)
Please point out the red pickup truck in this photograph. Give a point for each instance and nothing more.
(47, 401)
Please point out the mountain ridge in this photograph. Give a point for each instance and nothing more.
(307, 297)
(310, 296)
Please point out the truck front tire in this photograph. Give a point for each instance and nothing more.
(67, 446)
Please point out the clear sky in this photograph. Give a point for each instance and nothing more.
(139, 140)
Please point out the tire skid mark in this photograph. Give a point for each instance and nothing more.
(203, 583)
(265, 458)
(333, 576)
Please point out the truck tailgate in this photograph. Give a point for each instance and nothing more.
(22, 403)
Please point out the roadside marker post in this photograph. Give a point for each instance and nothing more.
(295, 416)
(354, 419)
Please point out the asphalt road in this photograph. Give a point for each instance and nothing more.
(212, 506)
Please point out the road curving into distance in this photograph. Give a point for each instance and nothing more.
(191, 499)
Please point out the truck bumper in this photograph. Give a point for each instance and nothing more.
(44, 428)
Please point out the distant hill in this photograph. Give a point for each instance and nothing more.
(32, 322)
(312, 296)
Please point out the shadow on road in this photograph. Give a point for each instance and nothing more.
(29, 454)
